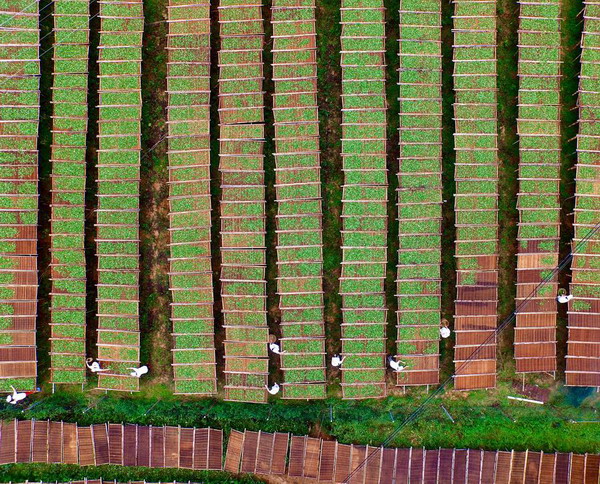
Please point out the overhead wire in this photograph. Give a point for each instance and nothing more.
(49, 49)
(507, 321)
(88, 20)
(23, 11)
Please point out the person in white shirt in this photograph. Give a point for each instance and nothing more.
(395, 365)
(94, 366)
(337, 360)
(274, 347)
(444, 330)
(564, 298)
(138, 372)
(16, 397)
(274, 390)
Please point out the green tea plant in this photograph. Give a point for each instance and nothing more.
(117, 239)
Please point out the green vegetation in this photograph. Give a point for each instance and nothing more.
(19, 124)
(508, 144)
(190, 223)
(119, 146)
(64, 473)
(297, 187)
(476, 146)
(242, 173)
(585, 284)
(420, 195)
(363, 144)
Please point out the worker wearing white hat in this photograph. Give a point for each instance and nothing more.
(564, 298)
(444, 329)
(274, 347)
(16, 397)
(94, 366)
(395, 365)
(274, 390)
(138, 372)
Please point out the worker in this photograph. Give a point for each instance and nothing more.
(138, 372)
(564, 298)
(337, 361)
(444, 329)
(395, 365)
(274, 347)
(94, 366)
(274, 390)
(16, 397)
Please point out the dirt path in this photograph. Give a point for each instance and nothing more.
(44, 186)
(330, 117)
(154, 214)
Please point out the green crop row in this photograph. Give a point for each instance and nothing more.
(364, 195)
(241, 117)
(585, 282)
(539, 131)
(70, 81)
(19, 114)
(476, 167)
(118, 191)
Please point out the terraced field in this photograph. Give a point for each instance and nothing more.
(117, 214)
(298, 186)
(69, 130)
(190, 276)
(420, 191)
(364, 198)
(249, 90)
(476, 200)
(583, 352)
(241, 163)
(19, 115)
(539, 176)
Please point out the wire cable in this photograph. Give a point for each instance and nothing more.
(23, 11)
(419, 410)
(65, 42)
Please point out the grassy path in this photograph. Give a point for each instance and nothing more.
(215, 190)
(448, 270)
(273, 311)
(91, 260)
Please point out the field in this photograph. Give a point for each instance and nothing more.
(241, 152)
(70, 109)
(117, 212)
(364, 199)
(476, 199)
(246, 155)
(19, 116)
(190, 266)
(420, 192)
(539, 133)
(298, 197)
(584, 337)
